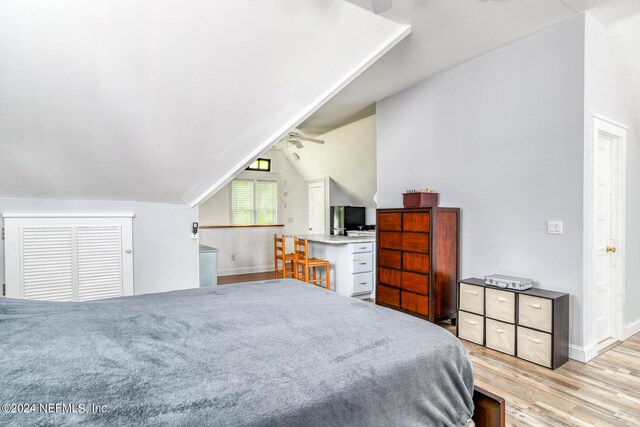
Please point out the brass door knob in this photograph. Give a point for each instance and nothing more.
(611, 249)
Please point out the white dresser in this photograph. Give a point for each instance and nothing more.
(352, 262)
(532, 325)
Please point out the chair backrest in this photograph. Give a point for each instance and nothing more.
(300, 249)
(279, 249)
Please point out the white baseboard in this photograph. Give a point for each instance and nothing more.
(631, 329)
(246, 270)
(582, 353)
(588, 352)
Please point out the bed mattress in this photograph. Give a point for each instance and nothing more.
(273, 353)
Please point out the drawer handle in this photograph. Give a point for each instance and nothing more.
(500, 331)
(471, 322)
(534, 340)
(363, 263)
(362, 247)
(538, 306)
(363, 283)
(471, 292)
(501, 299)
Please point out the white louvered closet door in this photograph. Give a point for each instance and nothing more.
(68, 259)
(47, 263)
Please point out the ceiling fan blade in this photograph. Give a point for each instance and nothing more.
(380, 6)
(306, 138)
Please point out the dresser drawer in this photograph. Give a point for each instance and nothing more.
(387, 295)
(362, 283)
(415, 242)
(471, 327)
(414, 302)
(389, 258)
(415, 262)
(390, 240)
(472, 298)
(535, 312)
(389, 276)
(361, 247)
(501, 305)
(416, 221)
(500, 336)
(534, 346)
(414, 282)
(362, 263)
(390, 221)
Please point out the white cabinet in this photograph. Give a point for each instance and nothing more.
(352, 266)
(68, 258)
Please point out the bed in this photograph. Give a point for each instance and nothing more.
(278, 352)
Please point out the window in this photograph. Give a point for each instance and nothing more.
(261, 165)
(254, 202)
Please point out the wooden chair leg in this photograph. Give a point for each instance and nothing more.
(328, 276)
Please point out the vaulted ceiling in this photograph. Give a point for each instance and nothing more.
(165, 100)
(159, 100)
(447, 33)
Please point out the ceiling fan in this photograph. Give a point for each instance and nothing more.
(380, 6)
(295, 137)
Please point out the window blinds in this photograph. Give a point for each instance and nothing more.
(254, 202)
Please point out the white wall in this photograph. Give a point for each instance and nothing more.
(165, 257)
(604, 96)
(501, 137)
(252, 248)
(348, 157)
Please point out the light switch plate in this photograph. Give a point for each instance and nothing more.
(554, 227)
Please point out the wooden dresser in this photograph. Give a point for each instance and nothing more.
(418, 261)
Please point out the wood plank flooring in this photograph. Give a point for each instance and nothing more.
(603, 392)
(249, 277)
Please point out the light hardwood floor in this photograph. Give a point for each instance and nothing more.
(603, 392)
(249, 277)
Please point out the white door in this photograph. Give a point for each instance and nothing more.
(603, 238)
(317, 207)
(60, 258)
(607, 231)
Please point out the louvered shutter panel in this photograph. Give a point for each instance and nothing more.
(242, 202)
(99, 262)
(266, 202)
(47, 263)
(62, 258)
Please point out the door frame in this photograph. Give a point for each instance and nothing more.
(327, 203)
(618, 134)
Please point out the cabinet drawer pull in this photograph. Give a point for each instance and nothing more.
(363, 283)
(501, 299)
(538, 306)
(362, 247)
(500, 331)
(363, 263)
(534, 340)
(471, 292)
(471, 322)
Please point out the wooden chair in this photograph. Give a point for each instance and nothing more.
(303, 263)
(284, 263)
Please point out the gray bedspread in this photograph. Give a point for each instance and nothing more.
(274, 353)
